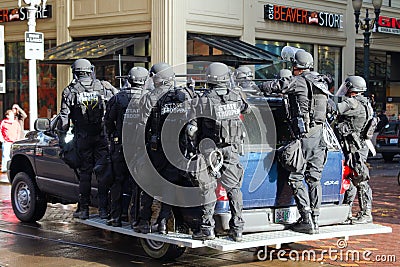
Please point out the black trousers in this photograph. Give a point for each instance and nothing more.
(121, 183)
(315, 153)
(93, 151)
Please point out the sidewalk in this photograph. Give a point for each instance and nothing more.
(3, 178)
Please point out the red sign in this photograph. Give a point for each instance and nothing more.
(18, 14)
(388, 25)
(302, 16)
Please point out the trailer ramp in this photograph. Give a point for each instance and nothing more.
(275, 238)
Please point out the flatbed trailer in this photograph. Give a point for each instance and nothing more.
(173, 244)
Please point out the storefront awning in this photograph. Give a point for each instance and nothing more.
(97, 50)
(235, 52)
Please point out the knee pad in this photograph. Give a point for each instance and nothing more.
(362, 187)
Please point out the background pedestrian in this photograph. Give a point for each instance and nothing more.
(10, 132)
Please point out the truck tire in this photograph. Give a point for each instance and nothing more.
(387, 157)
(398, 178)
(28, 203)
(161, 250)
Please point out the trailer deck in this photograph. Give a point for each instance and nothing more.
(275, 238)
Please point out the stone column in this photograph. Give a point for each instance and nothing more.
(168, 32)
(63, 17)
(349, 57)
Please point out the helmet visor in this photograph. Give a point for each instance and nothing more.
(342, 91)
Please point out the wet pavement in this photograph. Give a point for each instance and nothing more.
(57, 240)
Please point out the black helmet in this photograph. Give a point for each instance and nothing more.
(303, 60)
(243, 73)
(138, 75)
(82, 65)
(217, 73)
(354, 84)
(162, 73)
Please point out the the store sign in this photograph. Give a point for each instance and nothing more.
(18, 14)
(302, 16)
(388, 25)
(34, 45)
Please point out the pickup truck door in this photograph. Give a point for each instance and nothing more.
(51, 170)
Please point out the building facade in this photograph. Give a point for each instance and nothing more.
(116, 35)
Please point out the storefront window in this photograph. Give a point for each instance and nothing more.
(330, 62)
(196, 48)
(17, 82)
(270, 71)
(379, 70)
(106, 70)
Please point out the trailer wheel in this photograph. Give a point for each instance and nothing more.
(161, 250)
(28, 203)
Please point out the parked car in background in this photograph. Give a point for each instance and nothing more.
(387, 141)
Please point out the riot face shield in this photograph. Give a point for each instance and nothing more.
(342, 91)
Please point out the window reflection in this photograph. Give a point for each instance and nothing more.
(270, 71)
(17, 82)
(330, 62)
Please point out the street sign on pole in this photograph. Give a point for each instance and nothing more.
(2, 80)
(34, 45)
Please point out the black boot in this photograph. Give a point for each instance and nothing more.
(83, 212)
(204, 234)
(142, 227)
(304, 224)
(103, 213)
(363, 217)
(115, 222)
(77, 212)
(134, 224)
(235, 235)
(162, 226)
(315, 222)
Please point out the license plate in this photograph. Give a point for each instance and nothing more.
(286, 215)
(393, 141)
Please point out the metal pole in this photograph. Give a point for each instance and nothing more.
(367, 34)
(33, 103)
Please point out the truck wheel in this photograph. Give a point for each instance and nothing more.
(398, 178)
(388, 157)
(28, 203)
(161, 250)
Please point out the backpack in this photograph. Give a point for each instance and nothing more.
(291, 156)
(90, 103)
(371, 123)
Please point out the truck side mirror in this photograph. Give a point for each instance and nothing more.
(42, 124)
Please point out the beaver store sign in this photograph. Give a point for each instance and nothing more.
(302, 16)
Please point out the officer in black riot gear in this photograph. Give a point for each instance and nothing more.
(244, 79)
(282, 80)
(84, 102)
(307, 94)
(164, 104)
(116, 110)
(353, 114)
(218, 120)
